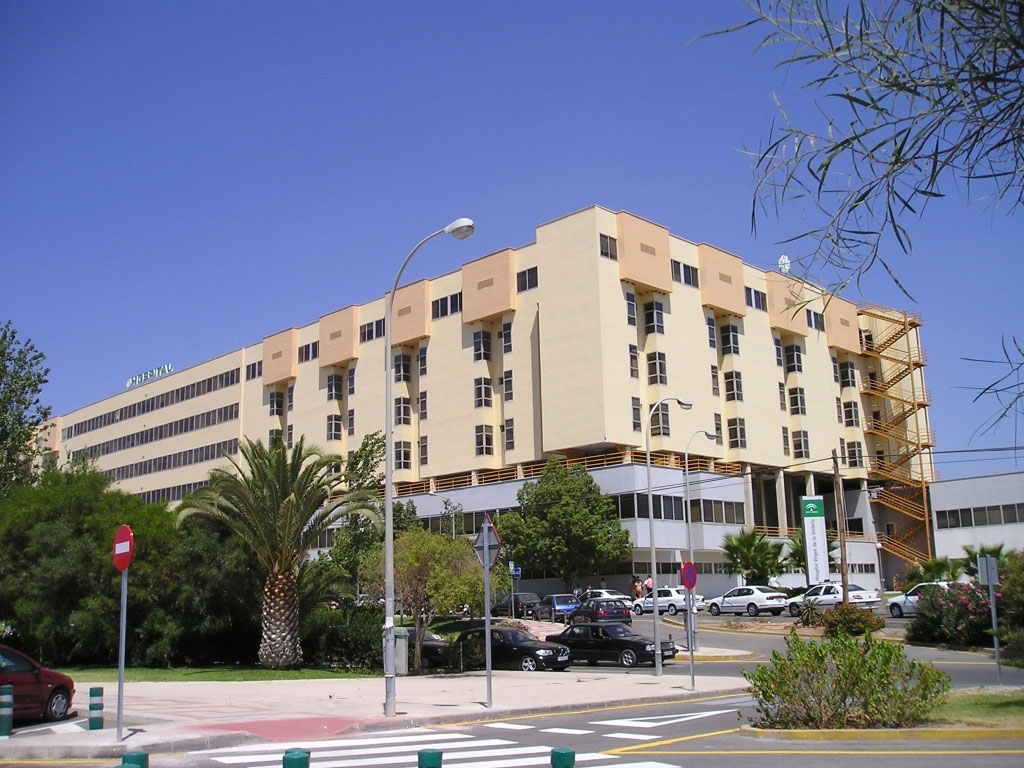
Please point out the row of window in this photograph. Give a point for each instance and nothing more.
(173, 493)
(309, 351)
(446, 305)
(993, 514)
(179, 395)
(371, 330)
(634, 505)
(174, 460)
(170, 429)
(684, 273)
(254, 370)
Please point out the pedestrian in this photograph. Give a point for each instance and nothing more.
(577, 592)
(649, 585)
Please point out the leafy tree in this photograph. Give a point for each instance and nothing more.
(919, 96)
(1011, 608)
(751, 555)
(278, 504)
(567, 526)
(796, 556)
(970, 566)
(22, 377)
(936, 569)
(364, 470)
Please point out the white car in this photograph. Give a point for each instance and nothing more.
(670, 599)
(748, 600)
(906, 604)
(602, 594)
(829, 595)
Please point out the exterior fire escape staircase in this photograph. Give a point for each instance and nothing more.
(901, 424)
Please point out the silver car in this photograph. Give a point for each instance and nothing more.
(906, 604)
(829, 595)
(670, 599)
(748, 600)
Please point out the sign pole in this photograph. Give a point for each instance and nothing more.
(690, 616)
(988, 572)
(487, 604)
(120, 655)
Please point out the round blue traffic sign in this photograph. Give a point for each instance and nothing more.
(688, 575)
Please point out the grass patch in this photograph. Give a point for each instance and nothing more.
(995, 710)
(203, 674)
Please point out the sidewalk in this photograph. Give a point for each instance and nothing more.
(170, 717)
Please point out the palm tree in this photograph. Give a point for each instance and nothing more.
(936, 569)
(971, 553)
(751, 554)
(796, 557)
(278, 504)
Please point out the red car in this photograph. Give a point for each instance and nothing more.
(38, 691)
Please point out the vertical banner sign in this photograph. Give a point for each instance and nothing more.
(815, 542)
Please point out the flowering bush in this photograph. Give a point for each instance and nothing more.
(959, 615)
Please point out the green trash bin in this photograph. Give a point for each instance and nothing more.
(401, 651)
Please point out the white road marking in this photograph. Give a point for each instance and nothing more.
(632, 736)
(391, 749)
(509, 726)
(659, 720)
(382, 737)
(566, 731)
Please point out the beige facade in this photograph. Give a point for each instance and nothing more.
(558, 347)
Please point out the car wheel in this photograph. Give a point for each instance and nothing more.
(57, 705)
(794, 609)
(672, 610)
(714, 610)
(752, 610)
(579, 619)
(628, 658)
(776, 613)
(528, 664)
(896, 611)
(638, 610)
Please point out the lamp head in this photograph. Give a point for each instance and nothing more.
(460, 229)
(684, 404)
(710, 435)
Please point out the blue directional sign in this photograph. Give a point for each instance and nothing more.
(517, 572)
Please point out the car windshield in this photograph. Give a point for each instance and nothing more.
(518, 636)
(611, 604)
(857, 588)
(766, 590)
(527, 597)
(618, 630)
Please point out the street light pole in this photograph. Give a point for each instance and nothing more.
(692, 641)
(460, 229)
(685, 405)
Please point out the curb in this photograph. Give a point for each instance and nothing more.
(886, 734)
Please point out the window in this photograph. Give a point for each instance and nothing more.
(506, 338)
(718, 429)
(782, 396)
(421, 355)
(712, 333)
(794, 359)
(733, 386)
(291, 398)
(510, 434)
(654, 317)
(484, 440)
(659, 421)
(815, 320)
(801, 445)
(289, 433)
(351, 421)
(839, 410)
(835, 369)
(778, 352)
(691, 276)
(634, 361)
(403, 367)
(309, 352)
(842, 451)
(714, 380)
(506, 381)
(797, 401)
(253, 370)
(526, 280)
(274, 437)
(423, 450)
(334, 427)
(847, 375)
(372, 330)
(351, 381)
(630, 308)
(737, 433)
(333, 386)
(730, 340)
(785, 441)
(421, 405)
(403, 454)
(276, 403)
(481, 345)
(446, 305)
(851, 413)
(403, 411)
(677, 271)
(637, 426)
(609, 247)
(756, 299)
(855, 451)
(657, 372)
(481, 392)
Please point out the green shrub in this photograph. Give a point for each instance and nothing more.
(348, 636)
(811, 614)
(844, 682)
(959, 615)
(850, 620)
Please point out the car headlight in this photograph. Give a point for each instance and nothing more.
(649, 647)
(544, 652)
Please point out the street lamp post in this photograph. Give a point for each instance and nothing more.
(460, 229)
(691, 616)
(685, 405)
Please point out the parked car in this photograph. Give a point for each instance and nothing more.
(671, 600)
(38, 691)
(602, 609)
(596, 594)
(906, 604)
(556, 607)
(749, 600)
(434, 652)
(830, 594)
(610, 642)
(510, 648)
(525, 606)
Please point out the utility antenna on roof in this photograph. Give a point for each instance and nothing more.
(784, 264)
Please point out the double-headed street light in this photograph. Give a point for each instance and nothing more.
(691, 618)
(656, 408)
(460, 229)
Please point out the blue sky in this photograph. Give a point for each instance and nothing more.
(179, 179)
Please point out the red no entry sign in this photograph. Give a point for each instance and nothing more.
(688, 575)
(124, 548)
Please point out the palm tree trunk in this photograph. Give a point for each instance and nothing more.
(279, 644)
